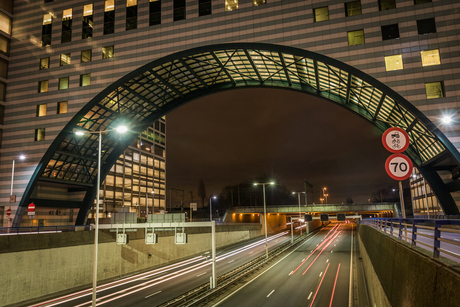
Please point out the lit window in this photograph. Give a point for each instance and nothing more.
(387, 4)
(4, 45)
(231, 5)
(40, 134)
(47, 19)
(258, 2)
(321, 13)
(109, 5)
(88, 10)
(353, 8)
(67, 14)
(434, 90)
(393, 62)
(86, 56)
(430, 57)
(44, 63)
(62, 107)
(43, 86)
(41, 110)
(85, 80)
(131, 3)
(65, 59)
(107, 52)
(355, 37)
(5, 23)
(63, 83)
(426, 26)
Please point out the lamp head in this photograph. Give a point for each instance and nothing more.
(22, 157)
(79, 133)
(121, 129)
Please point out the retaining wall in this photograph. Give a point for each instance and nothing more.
(35, 266)
(398, 275)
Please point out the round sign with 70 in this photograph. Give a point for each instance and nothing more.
(399, 167)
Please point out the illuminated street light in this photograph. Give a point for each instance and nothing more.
(120, 129)
(300, 215)
(210, 206)
(447, 119)
(265, 214)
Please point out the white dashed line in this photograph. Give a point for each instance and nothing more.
(320, 274)
(152, 294)
(231, 261)
(309, 295)
(201, 274)
(270, 293)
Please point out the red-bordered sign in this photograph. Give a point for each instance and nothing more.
(398, 167)
(8, 212)
(395, 140)
(31, 207)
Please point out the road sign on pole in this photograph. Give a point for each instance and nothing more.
(8, 212)
(399, 167)
(193, 206)
(395, 140)
(31, 207)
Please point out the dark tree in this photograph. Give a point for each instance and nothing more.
(202, 191)
(349, 201)
(385, 195)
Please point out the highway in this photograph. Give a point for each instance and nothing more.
(157, 286)
(317, 273)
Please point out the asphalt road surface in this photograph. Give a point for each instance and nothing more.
(160, 285)
(315, 274)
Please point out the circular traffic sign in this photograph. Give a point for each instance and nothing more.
(395, 140)
(8, 212)
(31, 207)
(398, 167)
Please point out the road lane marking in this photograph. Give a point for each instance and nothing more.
(231, 261)
(270, 293)
(327, 260)
(320, 274)
(309, 295)
(201, 274)
(290, 273)
(319, 286)
(335, 244)
(152, 294)
(251, 252)
(335, 283)
(331, 252)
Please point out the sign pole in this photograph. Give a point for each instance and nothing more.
(401, 199)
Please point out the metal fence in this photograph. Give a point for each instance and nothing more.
(436, 235)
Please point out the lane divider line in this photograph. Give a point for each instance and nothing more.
(319, 286)
(335, 283)
(270, 293)
(152, 294)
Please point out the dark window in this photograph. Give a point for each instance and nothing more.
(86, 56)
(387, 4)
(426, 26)
(46, 29)
(87, 28)
(422, 1)
(204, 7)
(179, 10)
(131, 17)
(163, 127)
(48, 1)
(155, 12)
(2, 114)
(390, 32)
(66, 34)
(109, 22)
(353, 8)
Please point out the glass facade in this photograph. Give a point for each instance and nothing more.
(424, 201)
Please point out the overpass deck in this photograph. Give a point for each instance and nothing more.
(320, 208)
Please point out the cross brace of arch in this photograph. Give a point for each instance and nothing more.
(151, 91)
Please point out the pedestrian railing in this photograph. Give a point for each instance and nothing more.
(436, 235)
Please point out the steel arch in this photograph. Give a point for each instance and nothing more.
(153, 90)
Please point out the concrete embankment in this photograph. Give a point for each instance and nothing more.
(398, 275)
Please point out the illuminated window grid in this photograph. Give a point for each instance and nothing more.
(394, 62)
(430, 57)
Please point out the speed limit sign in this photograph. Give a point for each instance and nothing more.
(398, 167)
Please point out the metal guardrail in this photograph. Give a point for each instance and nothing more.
(201, 295)
(438, 217)
(41, 229)
(409, 229)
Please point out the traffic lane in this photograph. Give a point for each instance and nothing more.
(278, 286)
(267, 288)
(143, 286)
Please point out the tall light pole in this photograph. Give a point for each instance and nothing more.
(120, 129)
(325, 195)
(21, 157)
(265, 215)
(210, 206)
(300, 214)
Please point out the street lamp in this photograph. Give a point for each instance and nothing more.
(210, 206)
(21, 157)
(265, 214)
(120, 129)
(325, 195)
(300, 214)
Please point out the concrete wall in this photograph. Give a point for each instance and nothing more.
(398, 275)
(51, 263)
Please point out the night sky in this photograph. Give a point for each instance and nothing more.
(232, 136)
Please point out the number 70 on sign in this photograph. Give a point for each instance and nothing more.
(398, 167)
